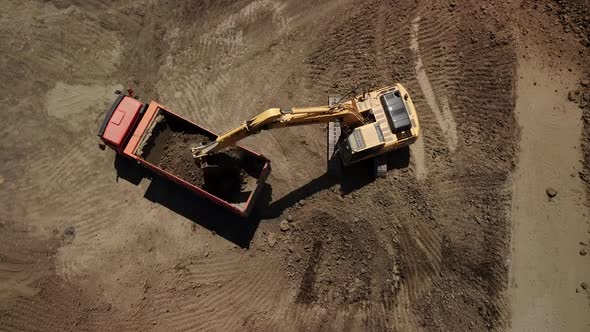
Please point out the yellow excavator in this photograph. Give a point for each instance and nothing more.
(367, 126)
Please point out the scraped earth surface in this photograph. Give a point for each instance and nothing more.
(85, 246)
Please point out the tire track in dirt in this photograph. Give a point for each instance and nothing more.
(441, 108)
(67, 102)
(419, 159)
(447, 56)
(438, 46)
(418, 240)
(46, 311)
(197, 96)
(346, 61)
(65, 180)
(43, 298)
(374, 52)
(369, 316)
(420, 244)
(227, 37)
(480, 91)
(44, 51)
(254, 298)
(79, 197)
(200, 93)
(48, 185)
(224, 296)
(432, 36)
(20, 272)
(374, 312)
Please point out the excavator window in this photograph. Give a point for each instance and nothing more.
(356, 141)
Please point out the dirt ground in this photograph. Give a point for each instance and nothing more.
(460, 235)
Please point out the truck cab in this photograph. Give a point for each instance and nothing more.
(120, 120)
(139, 131)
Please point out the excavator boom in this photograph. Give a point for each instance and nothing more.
(277, 118)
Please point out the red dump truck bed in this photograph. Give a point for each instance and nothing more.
(161, 140)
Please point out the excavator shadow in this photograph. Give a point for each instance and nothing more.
(240, 230)
(350, 179)
(236, 229)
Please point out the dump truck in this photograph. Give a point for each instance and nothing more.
(161, 141)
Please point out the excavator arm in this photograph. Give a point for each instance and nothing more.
(272, 118)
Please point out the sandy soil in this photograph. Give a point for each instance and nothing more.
(546, 266)
(449, 240)
(550, 233)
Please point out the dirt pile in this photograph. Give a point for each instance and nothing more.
(223, 174)
(340, 261)
(581, 96)
(574, 17)
(177, 157)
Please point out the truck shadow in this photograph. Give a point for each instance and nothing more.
(350, 179)
(236, 229)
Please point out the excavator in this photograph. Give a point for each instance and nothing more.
(367, 126)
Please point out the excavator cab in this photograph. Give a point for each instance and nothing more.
(391, 123)
(361, 143)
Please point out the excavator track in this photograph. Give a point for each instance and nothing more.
(380, 166)
(334, 132)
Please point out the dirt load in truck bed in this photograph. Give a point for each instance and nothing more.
(230, 175)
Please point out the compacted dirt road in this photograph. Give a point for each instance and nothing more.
(547, 268)
(459, 236)
(549, 209)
